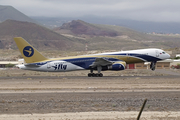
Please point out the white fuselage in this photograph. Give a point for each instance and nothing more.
(83, 62)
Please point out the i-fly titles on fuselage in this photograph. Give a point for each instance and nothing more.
(104, 61)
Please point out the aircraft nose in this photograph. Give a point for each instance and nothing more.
(168, 56)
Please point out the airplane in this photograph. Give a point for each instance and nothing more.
(116, 61)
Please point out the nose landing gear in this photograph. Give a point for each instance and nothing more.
(153, 65)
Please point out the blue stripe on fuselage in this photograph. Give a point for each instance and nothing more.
(141, 56)
(144, 56)
(86, 62)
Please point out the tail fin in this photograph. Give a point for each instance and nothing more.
(29, 53)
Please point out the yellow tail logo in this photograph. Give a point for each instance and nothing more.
(30, 54)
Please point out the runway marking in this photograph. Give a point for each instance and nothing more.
(113, 115)
(83, 91)
(85, 77)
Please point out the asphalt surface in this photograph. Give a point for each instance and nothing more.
(85, 77)
(63, 94)
(87, 102)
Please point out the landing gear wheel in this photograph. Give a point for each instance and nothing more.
(89, 74)
(153, 68)
(95, 75)
(100, 75)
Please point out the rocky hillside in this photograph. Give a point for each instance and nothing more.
(78, 27)
(78, 36)
(39, 36)
(108, 37)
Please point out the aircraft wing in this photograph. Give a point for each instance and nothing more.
(101, 62)
(31, 65)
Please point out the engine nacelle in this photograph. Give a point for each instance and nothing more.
(117, 66)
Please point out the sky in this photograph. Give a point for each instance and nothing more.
(142, 10)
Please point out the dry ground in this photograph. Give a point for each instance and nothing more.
(62, 96)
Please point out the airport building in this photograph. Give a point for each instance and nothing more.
(165, 64)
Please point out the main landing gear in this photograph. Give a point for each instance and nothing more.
(99, 74)
(95, 75)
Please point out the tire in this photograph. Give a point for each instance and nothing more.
(96, 75)
(100, 75)
(93, 75)
(89, 75)
(153, 68)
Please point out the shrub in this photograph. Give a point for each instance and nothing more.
(9, 65)
(175, 66)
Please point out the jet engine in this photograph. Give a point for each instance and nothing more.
(117, 66)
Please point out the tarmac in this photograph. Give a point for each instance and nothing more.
(74, 96)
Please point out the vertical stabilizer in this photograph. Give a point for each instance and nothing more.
(29, 53)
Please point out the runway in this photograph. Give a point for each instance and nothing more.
(43, 93)
(60, 84)
(86, 77)
(25, 103)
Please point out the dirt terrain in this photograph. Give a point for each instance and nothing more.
(32, 95)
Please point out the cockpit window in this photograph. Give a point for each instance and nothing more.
(163, 52)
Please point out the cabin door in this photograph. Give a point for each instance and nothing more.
(157, 53)
(48, 65)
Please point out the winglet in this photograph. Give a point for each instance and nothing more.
(29, 53)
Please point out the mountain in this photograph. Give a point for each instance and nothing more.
(75, 35)
(80, 27)
(108, 37)
(141, 26)
(9, 12)
(38, 36)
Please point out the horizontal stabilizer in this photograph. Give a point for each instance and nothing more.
(32, 65)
